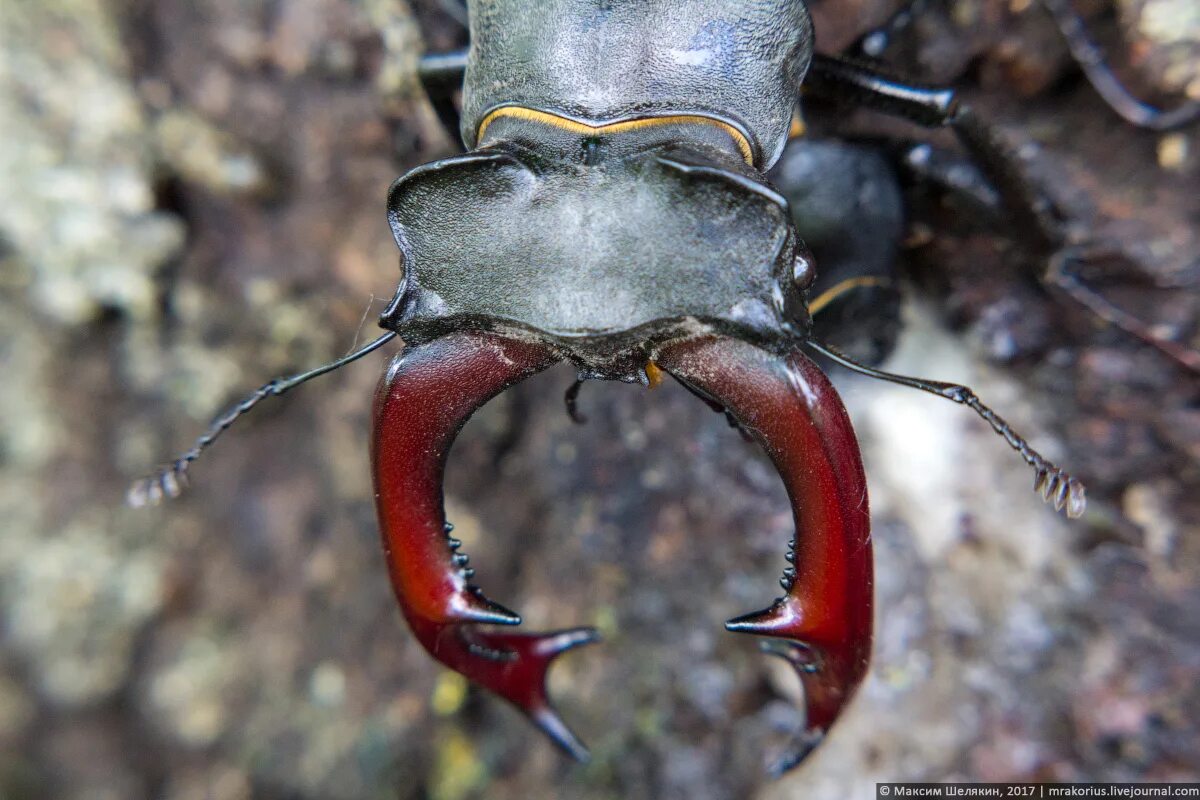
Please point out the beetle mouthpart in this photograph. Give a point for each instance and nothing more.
(822, 625)
(802, 744)
(512, 665)
(426, 396)
(471, 606)
(515, 667)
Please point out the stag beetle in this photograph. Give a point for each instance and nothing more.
(612, 211)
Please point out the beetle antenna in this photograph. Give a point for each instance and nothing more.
(1054, 484)
(171, 479)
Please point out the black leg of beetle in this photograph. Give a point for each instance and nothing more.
(441, 76)
(571, 398)
(170, 480)
(1031, 213)
(846, 81)
(1063, 275)
(1091, 60)
(456, 9)
(1055, 485)
(443, 69)
(1084, 51)
(949, 173)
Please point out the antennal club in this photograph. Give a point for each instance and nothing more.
(1053, 483)
(171, 480)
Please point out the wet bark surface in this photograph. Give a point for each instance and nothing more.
(193, 203)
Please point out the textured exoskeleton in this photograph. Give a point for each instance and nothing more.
(613, 212)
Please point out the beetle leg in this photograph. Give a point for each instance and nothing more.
(848, 81)
(1032, 212)
(571, 398)
(1063, 275)
(441, 76)
(822, 625)
(1084, 52)
(425, 397)
(1090, 59)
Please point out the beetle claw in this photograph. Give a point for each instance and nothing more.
(829, 674)
(822, 625)
(802, 744)
(808, 663)
(538, 652)
(512, 665)
(551, 724)
(425, 397)
(472, 606)
(767, 622)
(803, 658)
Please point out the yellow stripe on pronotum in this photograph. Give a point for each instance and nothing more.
(612, 128)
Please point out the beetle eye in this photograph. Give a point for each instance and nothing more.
(804, 271)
